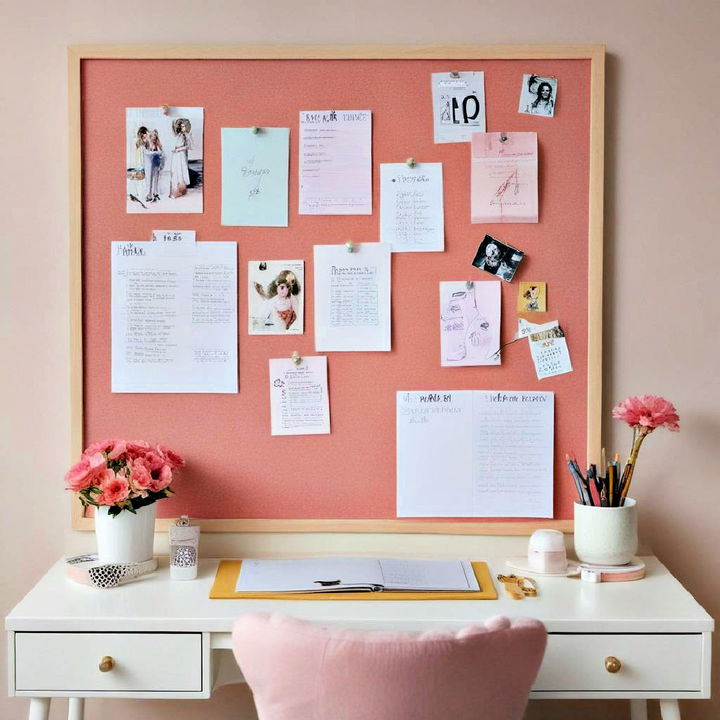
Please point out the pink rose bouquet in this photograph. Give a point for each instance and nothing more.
(123, 475)
(644, 414)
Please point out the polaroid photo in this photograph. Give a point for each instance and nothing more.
(275, 297)
(498, 258)
(164, 160)
(532, 297)
(538, 95)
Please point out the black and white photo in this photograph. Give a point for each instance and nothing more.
(538, 95)
(497, 258)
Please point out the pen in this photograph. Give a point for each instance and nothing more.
(585, 479)
(576, 479)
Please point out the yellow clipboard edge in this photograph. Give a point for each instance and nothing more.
(228, 571)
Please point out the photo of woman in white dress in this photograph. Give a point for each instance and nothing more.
(179, 173)
(164, 159)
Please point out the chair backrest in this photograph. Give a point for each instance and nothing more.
(300, 671)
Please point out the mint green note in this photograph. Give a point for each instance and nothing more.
(255, 176)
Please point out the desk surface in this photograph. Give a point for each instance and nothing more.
(657, 603)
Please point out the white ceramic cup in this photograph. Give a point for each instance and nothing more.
(606, 535)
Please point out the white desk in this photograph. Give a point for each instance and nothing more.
(168, 640)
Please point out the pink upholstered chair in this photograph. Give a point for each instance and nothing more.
(299, 671)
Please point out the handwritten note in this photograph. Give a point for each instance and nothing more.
(411, 207)
(469, 323)
(299, 402)
(475, 453)
(336, 162)
(504, 178)
(352, 297)
(255, 176)
(458, 105)
(174, 318)
(549, 351)
(186, 237)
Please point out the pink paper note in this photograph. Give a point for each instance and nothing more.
(504, 179)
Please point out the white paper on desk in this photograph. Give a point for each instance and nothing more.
(336, 162)
(174, 317)
(174, 236)
(475, 453)
(352, 297)
(305, 574)
(411, 207)
(469, 323)
(299, 402)
(549, 351)
(458, 105)
(504, 177)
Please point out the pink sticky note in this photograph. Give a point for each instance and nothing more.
(504, 177)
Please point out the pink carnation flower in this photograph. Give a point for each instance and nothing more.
(136, 449)
(171, 457)
(161, 479)
(100, 447)
(118, 449)
(83, 473)
(140, 474)
(114, 488)
(647, 412)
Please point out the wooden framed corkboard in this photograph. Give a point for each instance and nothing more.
(240, 478)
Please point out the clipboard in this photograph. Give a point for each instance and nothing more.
(228, 571)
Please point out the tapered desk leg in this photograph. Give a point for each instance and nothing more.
(638, 710)
(39, 709)
(669, 710)
(76, 709)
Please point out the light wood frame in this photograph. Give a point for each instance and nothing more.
(594, 53)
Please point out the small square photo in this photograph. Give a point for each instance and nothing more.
(538, 95)
(497, 258)
(532, 297)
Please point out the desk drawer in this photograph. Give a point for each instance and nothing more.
(648, 663)
(155, 662)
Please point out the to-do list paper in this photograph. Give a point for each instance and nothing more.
(174, 317)
(352, 297)
(299, 402)
(335, 162)
(475, 453)
(411, 207)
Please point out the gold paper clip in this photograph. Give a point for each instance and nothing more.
(517, 587)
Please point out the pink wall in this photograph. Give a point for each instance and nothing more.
(661, 248)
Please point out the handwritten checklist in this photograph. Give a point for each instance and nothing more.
(411, 207)
(336, 162)
(299, 402)
(352, 297)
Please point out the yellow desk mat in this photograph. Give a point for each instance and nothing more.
(228, 571)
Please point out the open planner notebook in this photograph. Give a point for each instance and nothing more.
(342, 574)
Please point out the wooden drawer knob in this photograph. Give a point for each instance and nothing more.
(106, 664)
(612, 664)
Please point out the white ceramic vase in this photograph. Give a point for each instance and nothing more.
(606, 535)
(127, 537)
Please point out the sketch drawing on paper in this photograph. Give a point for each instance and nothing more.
(469, 323)
(164, 160)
